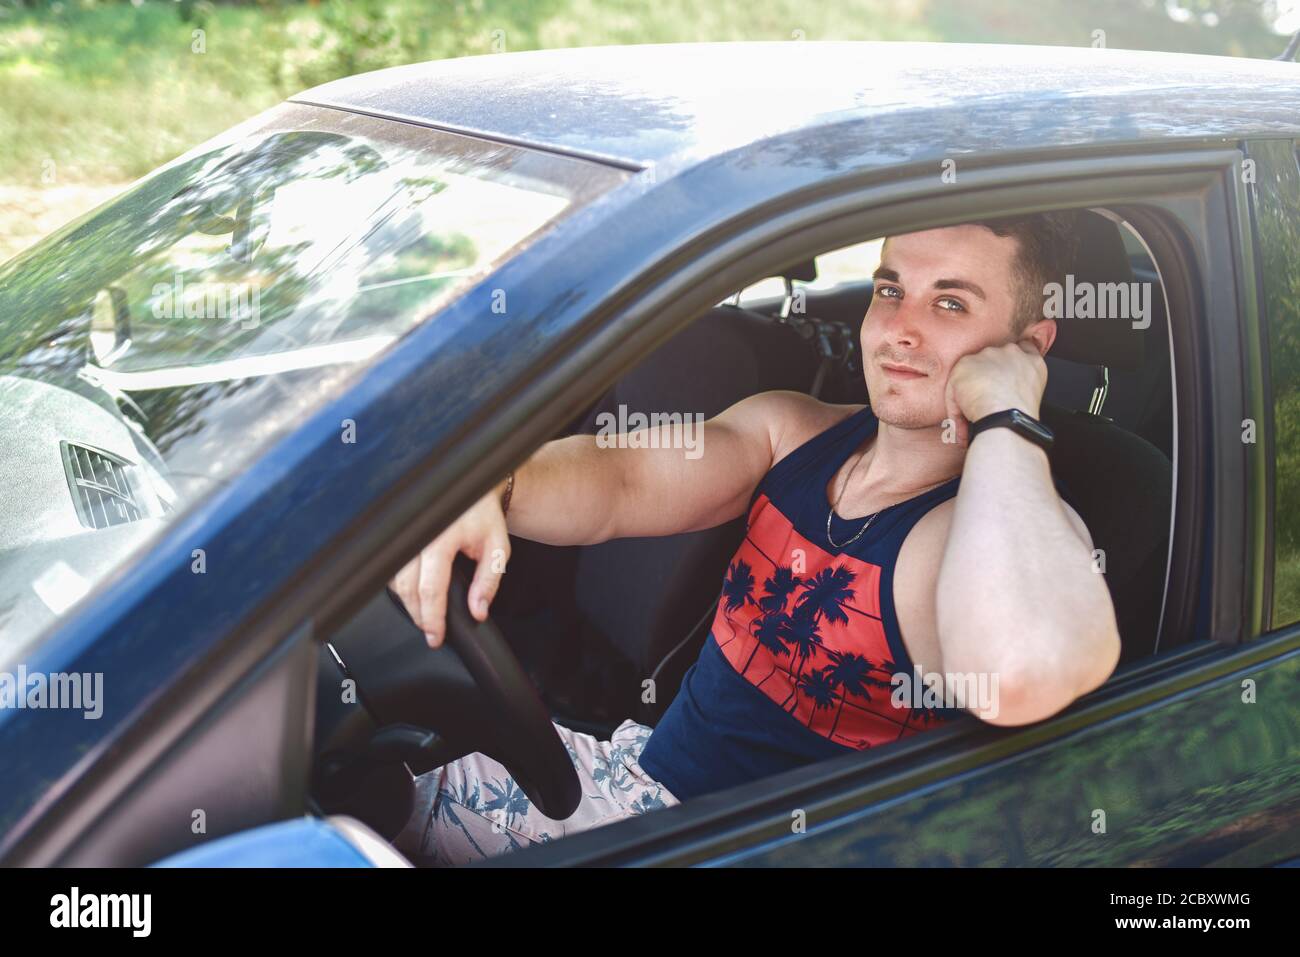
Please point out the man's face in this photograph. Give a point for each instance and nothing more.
(939, 295)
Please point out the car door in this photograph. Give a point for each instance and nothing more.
(1188, 757)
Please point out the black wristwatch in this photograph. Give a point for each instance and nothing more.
(1019, 422)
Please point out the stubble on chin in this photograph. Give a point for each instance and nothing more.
(910, 420)
(892, 410)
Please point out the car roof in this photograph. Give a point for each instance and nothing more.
(638, 106)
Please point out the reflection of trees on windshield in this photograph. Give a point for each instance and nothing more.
(220, 258)
(175, 414)
(192, 254)
(219, 286)
(185, 327)
(211, 430)
(397, 283)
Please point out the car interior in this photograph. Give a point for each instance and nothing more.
(637, 608)
(590, 624)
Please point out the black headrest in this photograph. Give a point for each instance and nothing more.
(1101, 259)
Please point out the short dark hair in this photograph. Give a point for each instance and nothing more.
(1049, 246)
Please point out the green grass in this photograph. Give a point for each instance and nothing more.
(108, 93)
(103, 92)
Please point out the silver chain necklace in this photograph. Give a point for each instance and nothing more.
(830, 514)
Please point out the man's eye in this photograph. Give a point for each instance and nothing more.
(889, 292)
(954, 305)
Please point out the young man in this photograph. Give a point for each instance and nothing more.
(883, 544)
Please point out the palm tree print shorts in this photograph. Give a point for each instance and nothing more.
(471, 808)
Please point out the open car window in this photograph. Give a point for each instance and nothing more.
(1109, 398)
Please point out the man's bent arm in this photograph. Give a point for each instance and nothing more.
(1017, 594)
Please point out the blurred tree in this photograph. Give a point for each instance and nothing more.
(1224, 27)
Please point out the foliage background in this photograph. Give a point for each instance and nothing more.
(109, 89)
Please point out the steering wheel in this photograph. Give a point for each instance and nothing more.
(471, 695)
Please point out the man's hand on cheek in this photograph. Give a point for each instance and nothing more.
(1010, 376)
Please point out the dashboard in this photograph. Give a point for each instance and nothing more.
(80, 486)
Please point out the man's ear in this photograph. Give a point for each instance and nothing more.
(1042, 334)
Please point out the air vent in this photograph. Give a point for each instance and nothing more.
(100, 488)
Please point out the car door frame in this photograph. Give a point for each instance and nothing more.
(1217, 489)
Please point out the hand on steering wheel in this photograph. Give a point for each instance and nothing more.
(494, 709)
(422, 584)
(522, 736)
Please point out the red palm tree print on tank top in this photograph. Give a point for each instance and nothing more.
(803, 626)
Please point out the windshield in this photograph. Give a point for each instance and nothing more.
(149, 351)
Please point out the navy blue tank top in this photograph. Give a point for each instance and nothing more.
(798, 663)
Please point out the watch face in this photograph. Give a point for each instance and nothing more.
(1031, 424)
(1018, 421)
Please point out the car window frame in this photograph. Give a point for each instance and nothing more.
(1261, 348)
(759, 812)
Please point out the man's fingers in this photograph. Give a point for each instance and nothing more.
(955, 416)
(422, 584)
(435, 578)
(963, 430)
(405, 585)
(487, 577)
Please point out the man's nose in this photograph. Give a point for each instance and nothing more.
(901, 326)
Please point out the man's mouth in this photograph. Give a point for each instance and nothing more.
(896, 371)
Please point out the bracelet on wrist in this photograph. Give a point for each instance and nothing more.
(505, 495)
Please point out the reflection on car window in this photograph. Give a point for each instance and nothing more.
(1278, 214)
(304, 239)
(149, 351)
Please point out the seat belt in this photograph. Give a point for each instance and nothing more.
(705, 620)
